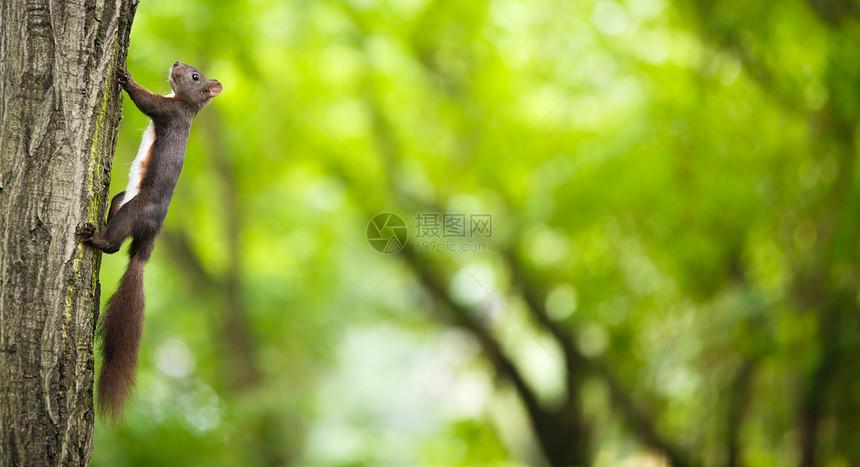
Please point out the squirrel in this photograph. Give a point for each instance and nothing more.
(139, 212)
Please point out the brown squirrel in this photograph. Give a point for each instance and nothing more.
(139, 212)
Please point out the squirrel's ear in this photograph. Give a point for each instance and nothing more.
(214, 88)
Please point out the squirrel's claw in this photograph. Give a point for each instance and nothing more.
(122, 75)
(86, 230)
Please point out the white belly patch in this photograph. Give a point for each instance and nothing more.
(140, 164)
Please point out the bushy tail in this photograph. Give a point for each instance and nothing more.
(120, 330)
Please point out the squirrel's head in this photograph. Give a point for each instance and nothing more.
(187, 81)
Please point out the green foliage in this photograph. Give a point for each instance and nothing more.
(676, 179)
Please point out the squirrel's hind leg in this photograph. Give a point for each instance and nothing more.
(121, 225)
(115, 204)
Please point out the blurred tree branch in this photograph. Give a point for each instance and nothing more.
(739, 398)
(833, 132)
(240, 350)
(638, 420)
(562, 434)
(242, 372)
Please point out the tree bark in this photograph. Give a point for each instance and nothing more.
(60, 108)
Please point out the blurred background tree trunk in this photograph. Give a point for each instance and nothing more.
(61, 109)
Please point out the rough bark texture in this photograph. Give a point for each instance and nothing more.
(60, 108)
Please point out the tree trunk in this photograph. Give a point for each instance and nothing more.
(60, 108)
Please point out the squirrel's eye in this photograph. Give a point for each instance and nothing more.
(195, 76)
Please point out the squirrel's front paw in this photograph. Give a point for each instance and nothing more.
(123, 76)
(86, 231)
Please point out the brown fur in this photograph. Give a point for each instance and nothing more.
(120, 330)
(144, 164)
(115, 205)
